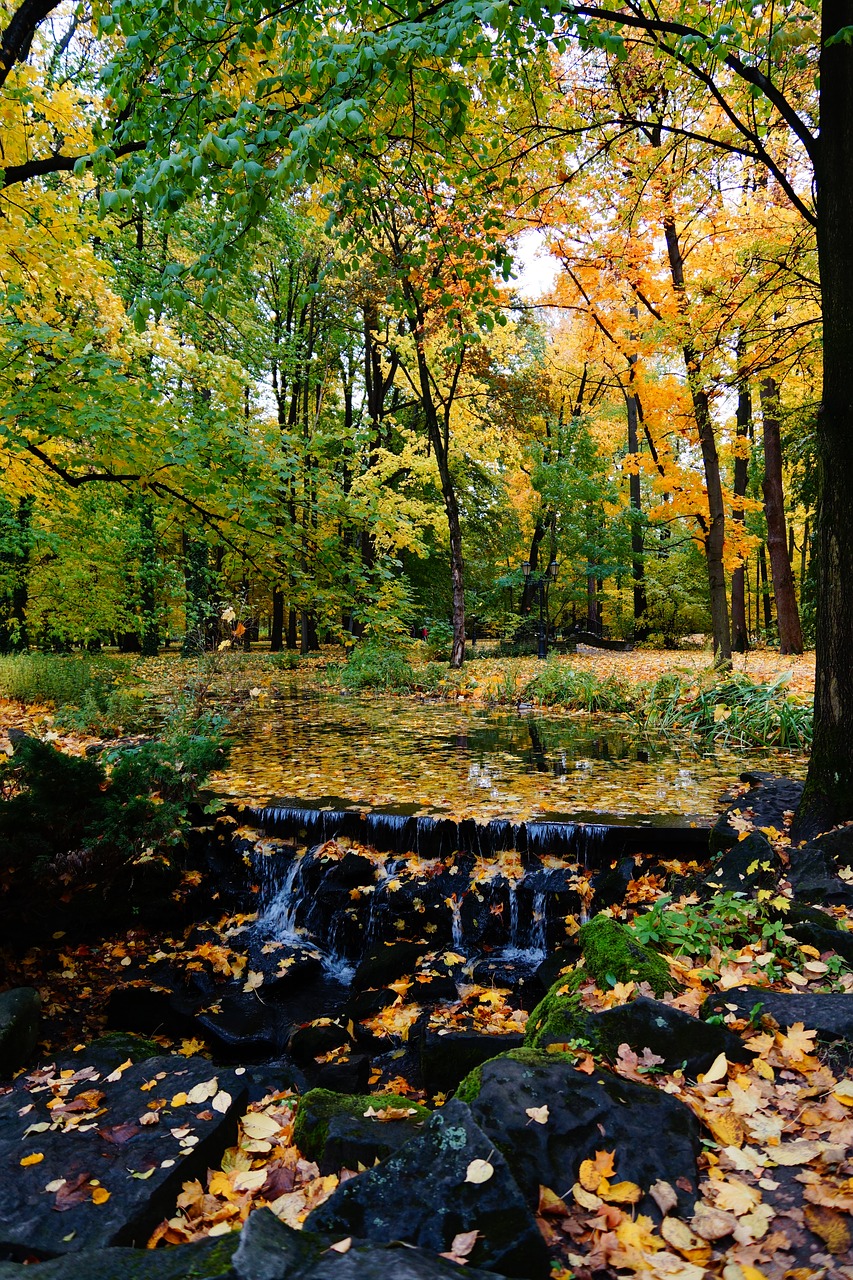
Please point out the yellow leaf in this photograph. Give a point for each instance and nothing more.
(251, 1180)
(254, 979)
(179, 1100)
(727, 1129)
(257, 1124)
(586, 1199)
(202, 1091)
(843, 1092)
(689, 1245)
(717, 1070)
(765, 1070)
(621, 1192)
(550, 1204)
(830, 1226)
(479, 1171)
(35, 1158)
(100, 1195)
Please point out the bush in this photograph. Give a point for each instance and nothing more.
(439, 639)
(85, 692)
(378, 665)
(559, 685)
(731, 709)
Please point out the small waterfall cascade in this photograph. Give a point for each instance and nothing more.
(396, 877)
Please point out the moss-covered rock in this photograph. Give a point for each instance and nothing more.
(610, 951)
(332, 1128)
(560, 1016)
(470, 1087)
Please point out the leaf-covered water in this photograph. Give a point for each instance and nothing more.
(472, 762)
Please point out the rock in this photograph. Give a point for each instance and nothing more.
(612, 951)
(317, 1038)
(764, 804)
(386, 963)
(269, 1250)
(96, 1133)
(818, 930)
(557, 964)
(680, 1040)
(447, 1057)
(745, 867)
(513, 975)
(205, 1260)
(829, 1014)
(653, 1134)
(422, 1195)
(20, 1015)
(349, 1075)
(813, 873)
(333, 1129)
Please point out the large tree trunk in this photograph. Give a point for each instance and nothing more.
(529, 589)
(740, 633)
(636, 502)
(787, 614)
(715, 529)
(828, 796)
(277, 623)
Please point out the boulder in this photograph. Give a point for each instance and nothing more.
(448, 1056)
(205, 1260)
(612, 951)
(829, 1014)
(814, 870)
(653, 1135)
(343, 1131)
(104, 1128)
(20, 1015)
(818, 930)
(674, 1036)
(425, 1195)
(269, 1250)
(745, 867)
(764, 804)
(386, 963)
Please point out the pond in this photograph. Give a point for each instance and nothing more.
(333, 750)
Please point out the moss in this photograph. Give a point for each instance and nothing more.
(610, 952)
(560, 1016)
(319, 1106)
(469, 1089)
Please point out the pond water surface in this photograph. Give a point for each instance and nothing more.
(464, 761)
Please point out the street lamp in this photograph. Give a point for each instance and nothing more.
(542, 583)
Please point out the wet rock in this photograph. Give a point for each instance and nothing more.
(814, 870)
(238, 1028)
(20, 1016)
(829, 1014)
(747, 866)
(653, 1135)
(553, 966)
(269, 1250)
(421, 1195)
(764, 804)
(317, 1038)
(101, 1130)
(347, 1075)
(342, 1131)
(818, 930)
(513, 975)
(680, 1040)
(611, 883)
(204, 1260)
(151, 1009)
(386, 963)
(448, 1056)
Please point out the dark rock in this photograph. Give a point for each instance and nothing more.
(829, 1014)
(818, 930)
(204, 1260)
(116, 1145)
(366, 1004)
(553, 966)
(610, 884)
(653, 1134)
(513, 975)
(115, 1047)
(764, 804)
(680, 1040)
(238, 1028)
(813, 873)
(746, 866)
(350, 1075)
(386, 963)
(447, 1057)
(20, 1015)
(269, 1250)
(420, 1195)
(150, 1010)
(339, 1131)
(319, 1037)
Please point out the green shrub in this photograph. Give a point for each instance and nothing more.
(86, 692)
(375, 664)
(439, 639)
(559, 685)
(732, 709)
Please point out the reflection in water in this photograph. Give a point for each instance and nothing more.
(472, 762)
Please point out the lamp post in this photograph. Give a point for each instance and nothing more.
(542, 582)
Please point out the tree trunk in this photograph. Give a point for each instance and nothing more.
(635, 496)
(277, 624)
(828, 796)
(740, 633)
(715, 529)
(291, 629)
(529, 589)
(787, 614)
(764, 589)
(149, 639)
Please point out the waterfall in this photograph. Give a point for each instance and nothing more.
(538, 925)
(513, 914)
(279, 918)
(456, 924)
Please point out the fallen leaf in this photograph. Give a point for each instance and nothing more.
(221, 1102)
(479, 1171)
(664, 1196)
(342, 1246)
(550, 1204)
(35, 1158)
(718, 1070)
(250, 1180)
(830, 1226)
(539, 1114)
(100, 1195)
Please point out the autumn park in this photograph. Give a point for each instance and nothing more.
(426, 640)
